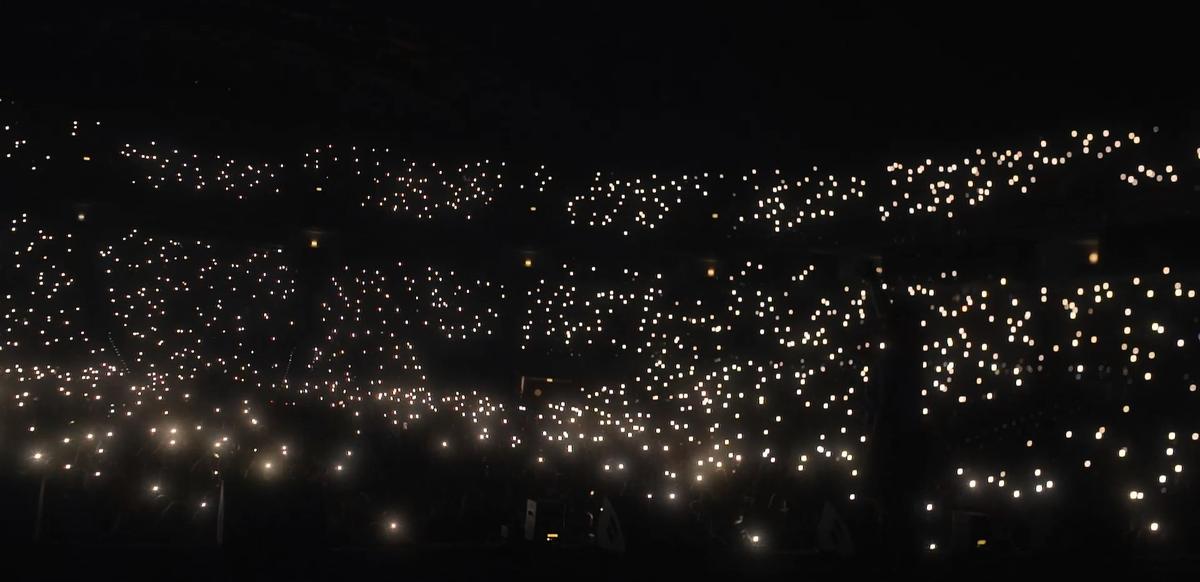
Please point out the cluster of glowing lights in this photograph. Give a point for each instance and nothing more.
(201, 173)
(1103, 344)
(748, 364)
(947, 188)
(770, 199)
(418, 189)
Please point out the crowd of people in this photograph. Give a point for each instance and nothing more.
(756, 391)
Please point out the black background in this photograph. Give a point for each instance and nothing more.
(608, 85)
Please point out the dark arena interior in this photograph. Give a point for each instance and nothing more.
(334, 290)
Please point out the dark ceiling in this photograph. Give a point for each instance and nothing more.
(604, 84)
